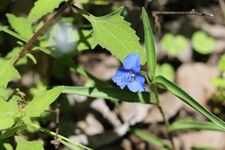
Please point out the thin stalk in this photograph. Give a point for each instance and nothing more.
(165, 120)
(34, 38)
(53, 134)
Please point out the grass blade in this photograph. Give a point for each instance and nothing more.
(174, 89)
(149, 44)
(181, 125)
(114, 94)
(150, 139)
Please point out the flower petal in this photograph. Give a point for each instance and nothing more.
(140, 78)
(132, 62)
(120, 76)
(135, 86)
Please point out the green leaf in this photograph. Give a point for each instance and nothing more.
(202, 148)
(20, 25)
(218, 82)
(115, 34)
(49, 52)
(5, 146)
(151, 139)
(7, 113)
(149, 44)
(181, 125)
(173, 45)
(114, 94)
(11, 131)
(13, 54)
(202, 43)
(6, 30)
(70, 145)
(22, 144)
(7, 73)
(174, 89)
(222, 63)
(166, 70)
(41, 102)
(43, 7)
(5, 92)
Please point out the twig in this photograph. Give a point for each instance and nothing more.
(192, 12)
(53, 134)
(222, 6)
(34, 38)
(56, 140)
(156, 15)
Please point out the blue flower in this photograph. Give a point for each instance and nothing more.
(129, 75)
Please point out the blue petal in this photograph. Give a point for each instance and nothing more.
(132, 62)
(120, 78)
(135, 86)
(140, 78)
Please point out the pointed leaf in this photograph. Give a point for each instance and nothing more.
(193, 125)
(41, 102)
(7, 114)
(149, 44)
(7, 73)
(42, 7)
(152, 139)
(114, 94)
(19, 24)
(14, 34)
(115, 34)
(174, 89)
(22, 144)
(70, 145)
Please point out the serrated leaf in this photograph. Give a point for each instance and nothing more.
(41, 102)
(20, 25)
(7, 114)
(115, 34)
(114, 94)
(43, 7)
(23, 144)
(149, 44)
(7, 73)
(177, 91)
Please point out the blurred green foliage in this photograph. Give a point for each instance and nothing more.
(202, 42)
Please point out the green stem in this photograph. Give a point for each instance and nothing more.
(53, 134)
(165, 120)
(169, 134)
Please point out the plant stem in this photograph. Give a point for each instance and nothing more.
(34, 38)
(53, 134)
(169, 134)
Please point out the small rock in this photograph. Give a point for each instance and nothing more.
(93, 125)
(170, 105)
(100, 106)
(101, 66)
(133, 113)
(195, 79)
(211, 139)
